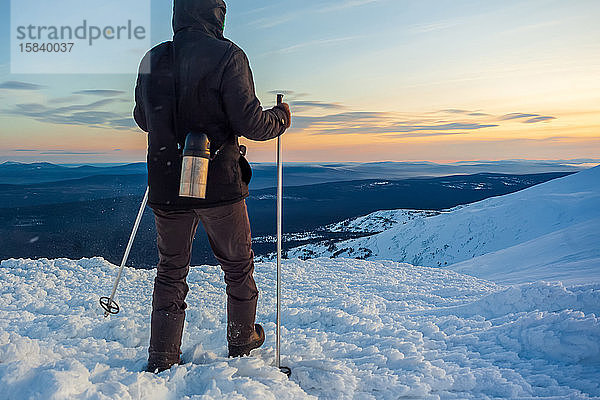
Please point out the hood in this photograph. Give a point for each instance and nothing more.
(203, 15)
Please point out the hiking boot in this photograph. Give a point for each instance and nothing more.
(159, 362)
(165, 340)
(257, 338)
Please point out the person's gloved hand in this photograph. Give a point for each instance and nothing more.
(286, 108)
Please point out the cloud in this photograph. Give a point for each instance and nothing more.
(85, 107)
(527, 117)
(382, 123)
(61, 100)
(16, 85)
(538, 119)
(312, 44)
(90, 114)
(433, 27)
(357, 115)
(530, 118)
(123, 123)
(315, 104)
(342, 5)
(393, 125)
(426, 134)
(478, 114)
(29, 109)
(54, 152)
(517, 116)
(70, 152)
(350, 119)
(464, 112)
(92, 117)
(444, 127)
(100, 92)
(454, 111)
(271, 21)
(258, 10)
(534, 26)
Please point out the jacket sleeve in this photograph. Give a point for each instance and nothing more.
(243, 109)
(138, 112)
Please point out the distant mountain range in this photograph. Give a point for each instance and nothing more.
(12, 173)
(91, 210)
(296, 174)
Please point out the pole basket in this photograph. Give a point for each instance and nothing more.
(109, 306)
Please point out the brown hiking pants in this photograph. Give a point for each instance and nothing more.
(228, 230)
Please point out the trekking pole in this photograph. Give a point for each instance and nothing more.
(108, 303)
(285, 370)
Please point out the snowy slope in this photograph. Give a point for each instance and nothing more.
(570, 255)
(353, 330)
(485, 227)
(379, 221)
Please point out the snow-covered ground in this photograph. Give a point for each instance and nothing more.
(554, 223)
(353, 330)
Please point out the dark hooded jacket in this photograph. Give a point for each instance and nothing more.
(200, 82)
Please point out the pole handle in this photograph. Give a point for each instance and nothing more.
(279, 98)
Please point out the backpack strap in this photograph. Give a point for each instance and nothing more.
(174, 97)
(175, 104)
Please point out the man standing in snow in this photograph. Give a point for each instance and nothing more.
(201, 82)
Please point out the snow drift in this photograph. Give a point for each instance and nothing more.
(352, 329)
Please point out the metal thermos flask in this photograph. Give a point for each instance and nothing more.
(194, 169)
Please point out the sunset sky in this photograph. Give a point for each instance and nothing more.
(367, 80)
